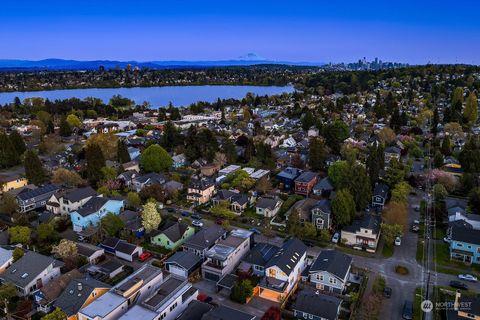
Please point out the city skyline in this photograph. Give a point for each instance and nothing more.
(410, 32)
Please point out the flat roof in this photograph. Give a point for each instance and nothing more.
(103, 305)
(139, 312)
(164, 290)
(146, 273)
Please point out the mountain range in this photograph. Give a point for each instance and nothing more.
(63, 64)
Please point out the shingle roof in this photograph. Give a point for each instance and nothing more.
(319, 305)
(334, 262)
(176, 231)
(381, 190)
(54, 288)
(205, 238)
(195, 310)
(368, 221)
(29, 194)
(466, 235)
(261, 254)
(324, 205)
(77, 194)
(307, 176)
(92, 206)
(289, 173)
(125, 247)
(185, 259)
(288, 256)
(226, 313)
(267, 202)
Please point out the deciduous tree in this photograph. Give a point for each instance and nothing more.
(155, 159)
(151, 218)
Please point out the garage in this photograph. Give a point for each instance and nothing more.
(211, 276)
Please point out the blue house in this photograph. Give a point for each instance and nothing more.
(93, 211)
(134, 153)
(179, 161)
(465, 244)
(287, 177)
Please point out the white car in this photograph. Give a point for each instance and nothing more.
(336, 237)
(398, 241)
(468, 277)
(197, 223)
(446, 239)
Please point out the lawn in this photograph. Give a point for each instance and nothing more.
(440, 233)
(417, 300)
(448, 266)
(387, 251)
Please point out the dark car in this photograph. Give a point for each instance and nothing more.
(170, 210)
(387, 292)
(185, 213)
(196, 216)
(458, 285)
(407, 312)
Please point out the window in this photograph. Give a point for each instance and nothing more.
(459, 245)
(333, 281)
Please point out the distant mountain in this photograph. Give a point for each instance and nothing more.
(61, 64)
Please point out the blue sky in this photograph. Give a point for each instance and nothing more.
(420, 31)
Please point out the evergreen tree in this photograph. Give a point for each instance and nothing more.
(343, 208)
(438, 159)
(34, 170)
(446, 146)
(318, 152)
(95, 162)
(65, 129)
(435, 121)
(192, 151)
(373, 164)
(170, 136)
(307, 120)
(470, 113)
(8, 154)
(50, 127)
(18, 143)
(457, 104)
(228, 148)
(396, 120)
(122, 152)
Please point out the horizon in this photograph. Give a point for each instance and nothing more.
(409, 32)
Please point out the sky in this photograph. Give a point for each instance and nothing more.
(415, 32)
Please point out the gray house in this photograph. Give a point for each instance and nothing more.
(204, 240)
(330, 271)
(322, 214)
(310, 305)
(380, 194)
(29, 200)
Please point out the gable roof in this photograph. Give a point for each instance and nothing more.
(267, 202)
(185, 259)
(54, 288)
(226, 313)
(289, 173)
(368, 221)
(92, 206)
(260, 254)
(332, 261)
(324, 184)
(306, 176)
(319, 305)
(288, 256)
(205, 238)
(77, 194)
(466, 235)
(324, 205)
(26, 194)
(381, 190)
(195, 310)
(175, 231)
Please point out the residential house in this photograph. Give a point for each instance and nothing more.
(133, 152)
(380, 195)
(392, 153)
(78, 294)
(173, 235)
(224, 256)
(195, 310)
(238, 201)
(6, 257)
(223, 312)
(204, 239)
(179, 161)
(31, 272)
(229, 169)
(131, 166)
(183, 263)
(457, 211)
(93, 211)
(64, 202)
(11, 182)
(29, 199)
(106, 269)
(209, 170)
(256, 260)
(132, 221)
(363, 233)
(323, 187)
(463, 307)
(322, 214)
(45, 297)
(287, 178)
(121, 248)
(305, 182)
(330, 271)
(109, 306)
(200, 191)
(283, 271)
(92, 253)
(167, 301)
(316, 306)
(465, 244)
(140, 182)
(268, 206)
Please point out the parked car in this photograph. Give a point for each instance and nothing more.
(336, 237)
(185, 213)
(387, 292)
(446, 240)
(219, 221)
(255, 230)
(398, 241)
(196, 216)
(197, 223)
(203, 297)
(407, 312)
(170, 210)
(468, 277)
(144, 256)
(458, 285)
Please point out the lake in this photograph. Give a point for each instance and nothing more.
(157, 96)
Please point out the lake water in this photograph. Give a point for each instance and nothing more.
(157, 96)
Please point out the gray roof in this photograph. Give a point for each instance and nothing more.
(307, 176)
(151, 178)
(45, 190)
(267, 202)
(334, 262)
(205, 238)
(72, 299)
(381, 190)
(226, 313)
(319, 305)
(92, 206)
(77, 194)
(260, 254)
(324, 205)
(185, 259)
(195, 310)
(368, 221)
(324, 184)
(175, 231)
(466, 235)
(27, 268)
(293, 249)
(125, 247)
(289, 173)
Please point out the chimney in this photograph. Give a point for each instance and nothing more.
(457, 300)
(79, 286)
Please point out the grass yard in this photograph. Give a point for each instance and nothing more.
(448, 266)
(387, 251)
(417, 300)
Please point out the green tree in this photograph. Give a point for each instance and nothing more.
(112, 224)
(228, 148)
(335, 133)
(222, 210)
(122, 152)
(17, 141)
(469, 157)
(343, 207)
(8, 154)
(73, 121)
(439, 192)
(170, 137)
(108, 173)
(307, 120)
(338, 172)
(390, 231)
(400, 192)
(318, 152)
(34, 170)
(155, 159)
(65, 129)
(17, 254)
(470, 113)
(151, 218)
(7, 293)
(95, 162)
(395, 173)
(133, 199)
(438, 159)
(45, 231)
(56, 314)
(19, 234)
(8, 204)
(446, 147)
(457, 104)
(241, 291)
